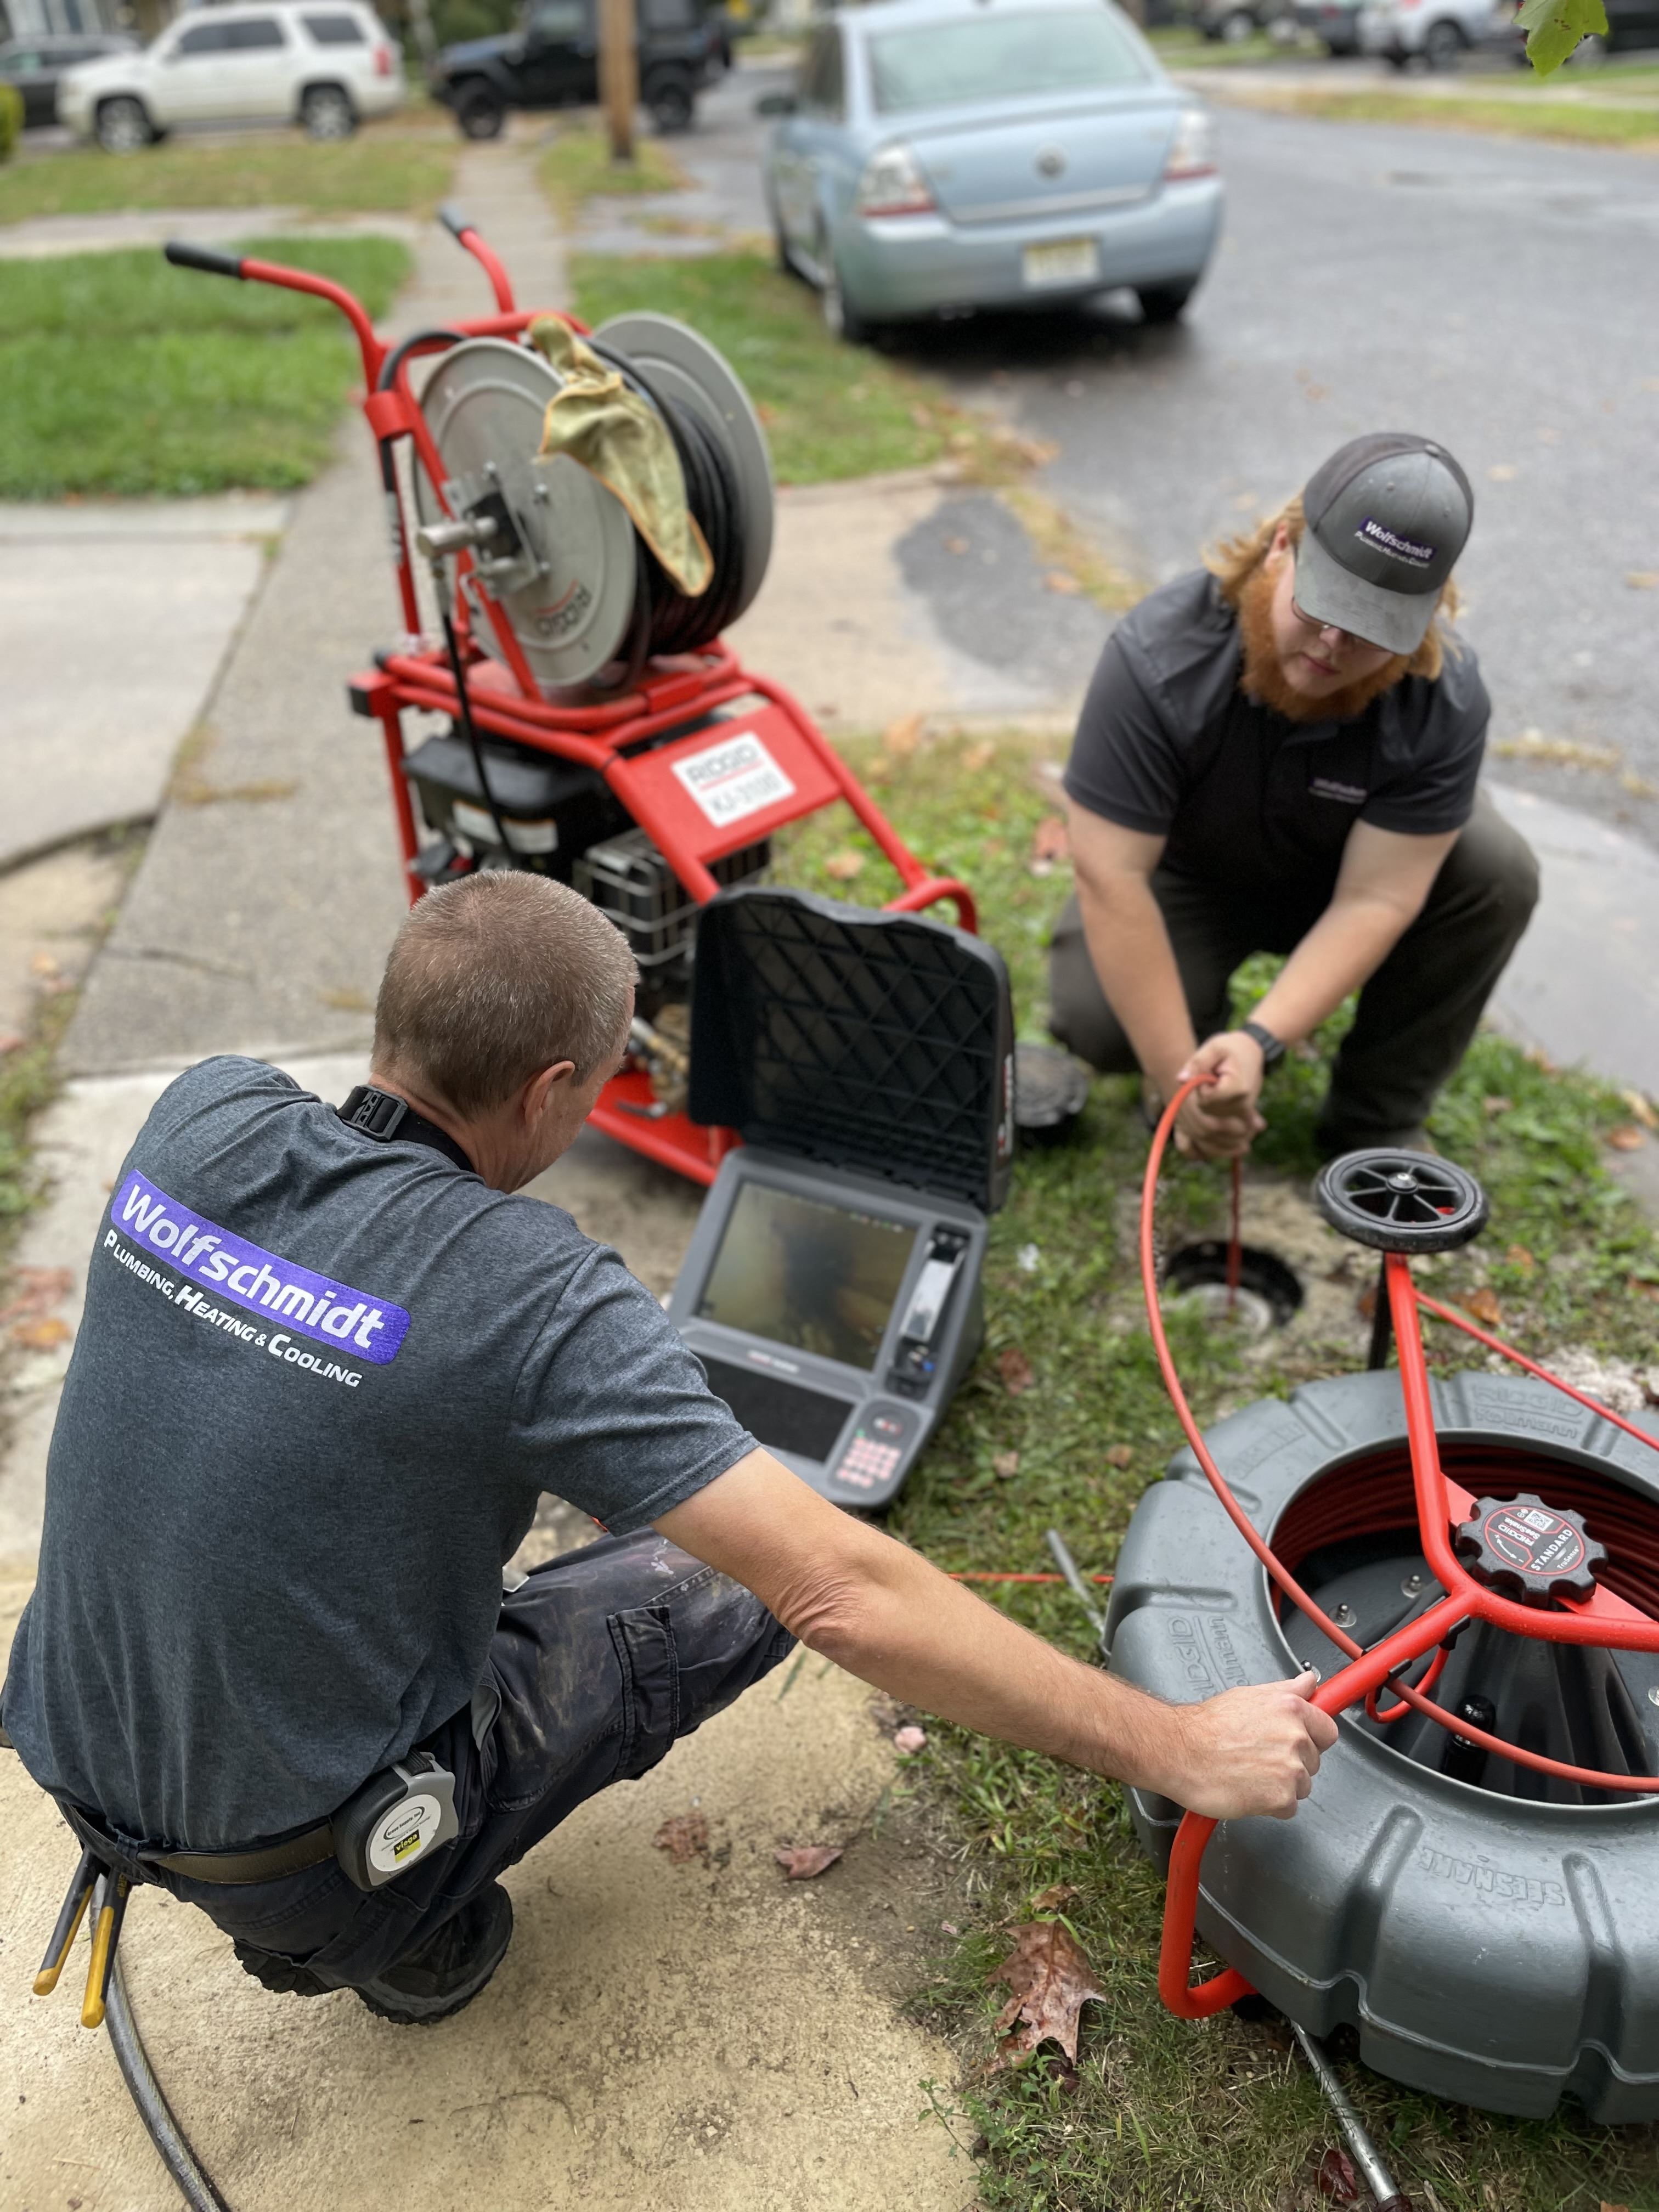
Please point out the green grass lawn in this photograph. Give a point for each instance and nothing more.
(577, 167)
(1162, 2114)
(121, 375)
(402, 168)
(830, 411)
(1513, 117)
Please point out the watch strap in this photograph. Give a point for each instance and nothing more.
(1272, 1048)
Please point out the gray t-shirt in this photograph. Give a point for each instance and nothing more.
(1249, 801)
(320, 1385)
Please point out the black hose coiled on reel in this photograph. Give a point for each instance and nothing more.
(666, 619)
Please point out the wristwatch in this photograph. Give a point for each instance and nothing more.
(1272, 1048)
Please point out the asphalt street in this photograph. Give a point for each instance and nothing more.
(1496, 294)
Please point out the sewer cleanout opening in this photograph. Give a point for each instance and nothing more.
(1269, 1292)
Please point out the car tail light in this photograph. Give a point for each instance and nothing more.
(382, 61)
(893, 184)
(1192, 150)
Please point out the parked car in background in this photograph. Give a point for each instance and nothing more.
(34, 66)
(1232, 21)
(1335, 21)
(1438, 32)
(944, 155)
(323, 63)
(552, 60)
(1631, 23)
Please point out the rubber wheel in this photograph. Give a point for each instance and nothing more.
(480, 114)
(123, 126)
(673, 105)
(841, 319)
(1164, 303)
(327, 113)
(1400, 1201)
(1443, 47)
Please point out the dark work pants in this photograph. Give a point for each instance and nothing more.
(1416, 1015)
(603, 1659)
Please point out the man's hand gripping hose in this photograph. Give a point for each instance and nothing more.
(1603, 1620)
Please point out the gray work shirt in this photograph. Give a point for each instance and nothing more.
(319, 1387)
(1247, 799)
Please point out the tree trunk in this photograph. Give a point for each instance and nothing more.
(619, 74)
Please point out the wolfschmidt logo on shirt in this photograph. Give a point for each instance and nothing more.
(328, 1312)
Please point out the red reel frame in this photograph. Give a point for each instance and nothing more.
(1603, 1620)
(626, 739)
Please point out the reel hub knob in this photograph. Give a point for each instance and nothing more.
(1526, 1550)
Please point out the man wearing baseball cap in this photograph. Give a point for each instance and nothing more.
(1279, 753)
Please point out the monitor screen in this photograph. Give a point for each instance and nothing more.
(798, 1271)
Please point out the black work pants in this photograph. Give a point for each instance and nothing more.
(603, 1659)
(1416, 1015)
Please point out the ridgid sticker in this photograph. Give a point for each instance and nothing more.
(262, 1283)
(734, 779)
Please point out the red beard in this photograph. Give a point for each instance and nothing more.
(1263, 678)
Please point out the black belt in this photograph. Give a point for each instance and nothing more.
(310, 1847)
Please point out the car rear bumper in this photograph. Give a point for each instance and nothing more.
(899, 265)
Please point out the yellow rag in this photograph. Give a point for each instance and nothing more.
(619, 438)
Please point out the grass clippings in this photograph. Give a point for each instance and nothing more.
(1161, 2114)
(121, 375)
(387, 169)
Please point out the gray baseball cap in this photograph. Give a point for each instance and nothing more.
(1387, 517)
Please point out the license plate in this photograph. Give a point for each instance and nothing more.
(1068, 261)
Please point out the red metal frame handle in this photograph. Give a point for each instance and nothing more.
(1604, 1620)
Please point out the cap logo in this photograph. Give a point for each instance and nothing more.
(1401, 548)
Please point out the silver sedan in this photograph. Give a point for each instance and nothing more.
(938, 157)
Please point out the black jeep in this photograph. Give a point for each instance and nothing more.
(552, 60)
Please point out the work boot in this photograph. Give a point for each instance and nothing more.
(448, 1969)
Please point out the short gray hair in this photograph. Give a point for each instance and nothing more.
(495, 977)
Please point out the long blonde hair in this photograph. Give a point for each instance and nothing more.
(1233, 561)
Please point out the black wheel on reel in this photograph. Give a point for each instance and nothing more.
(1400, 1201)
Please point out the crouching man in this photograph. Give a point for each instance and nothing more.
(1281, 756)
(329, 1362)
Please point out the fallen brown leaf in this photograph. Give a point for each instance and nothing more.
(1049, 840)
(1518, 1256)
(10, 1040)
(41, 1335)
(682, 1836)
(1497, 1105)
(36, 1291)
(904, 735)
(802, 1862)
(44, 964)
(1626, 1138)
(1337, 2178)
(1057, 1893)
(979, 757)
(1015, 1370)
(841, 868)
(1051, 1981)
(1483, 1305)
(1120, 1455)
(1365, 1303)
(1536, 1056)
(1005, 1464)
(1062, 581)
(1643, 580)
(1642, 1107)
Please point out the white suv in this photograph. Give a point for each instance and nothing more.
(324, 65)
(1440, 31)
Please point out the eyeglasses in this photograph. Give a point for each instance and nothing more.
(1347, 636)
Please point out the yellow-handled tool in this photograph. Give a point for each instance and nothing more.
(109, 1907)
(68, 1925)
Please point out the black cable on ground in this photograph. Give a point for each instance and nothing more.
(195, 2184)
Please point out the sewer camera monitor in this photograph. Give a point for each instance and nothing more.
(835, 1315)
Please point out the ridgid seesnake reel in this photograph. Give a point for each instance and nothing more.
(600, 730)
(1471, 1562)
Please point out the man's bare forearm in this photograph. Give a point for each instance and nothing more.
(1135, 963)
(1344, 947)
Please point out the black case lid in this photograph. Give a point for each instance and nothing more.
(875, 1041)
